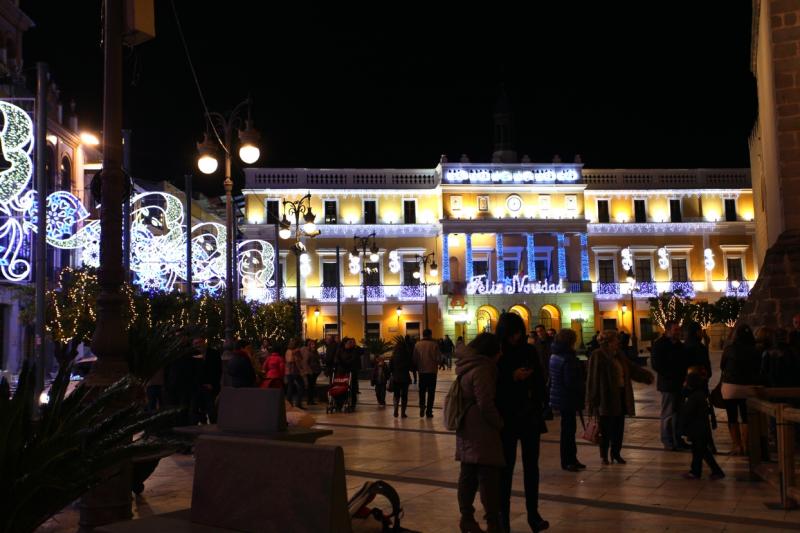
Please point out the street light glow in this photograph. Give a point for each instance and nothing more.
(90, 139)
(249, 153)
(207, 164)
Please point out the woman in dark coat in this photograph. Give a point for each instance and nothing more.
(567, 391)
(741, 366)
(521, 399)
(399, 370)
(609, 392)
(478, 444)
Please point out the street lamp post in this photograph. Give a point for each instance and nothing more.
(298, 208)
(362, 244)
(422, 275)
(207, 163)
(631, 278)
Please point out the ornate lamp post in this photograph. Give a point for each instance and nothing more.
(631, 278)
(207, 163)
(422, 275)
(361, 245)
(298, 208)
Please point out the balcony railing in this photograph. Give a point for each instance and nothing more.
(375, 293)
(683, 288)
(739, 289)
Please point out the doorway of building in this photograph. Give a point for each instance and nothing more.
(550, 317)
(486, 317)
(461, 331)
(523, 312)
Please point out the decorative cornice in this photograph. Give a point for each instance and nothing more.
(381, 230)
(671, 228)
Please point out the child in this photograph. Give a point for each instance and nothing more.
(275, 370)
(697, 427)
(379, 378)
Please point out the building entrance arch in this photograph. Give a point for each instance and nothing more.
(486, 317)
(524, 313)
(550, 317)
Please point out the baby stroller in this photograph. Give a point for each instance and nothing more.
(339, 394)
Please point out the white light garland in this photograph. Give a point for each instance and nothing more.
(708, 259)
(663, 258)
(394, 262)
(627, 259)
(354, 264)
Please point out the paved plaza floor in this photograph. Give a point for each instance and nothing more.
(416, 454)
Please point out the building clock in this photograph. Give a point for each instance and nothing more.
(514, 203)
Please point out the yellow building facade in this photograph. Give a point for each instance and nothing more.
(555, 243)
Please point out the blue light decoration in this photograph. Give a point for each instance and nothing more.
(16, 196)
(468, 254)
(646, 288)
(531, 248)
(446, 257)
(562, 257)
(607, 289)
(584, 256)
(501, 267)
(683, 288)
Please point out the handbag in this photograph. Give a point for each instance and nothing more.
(716, 396)
(591, 431)
(390, 384)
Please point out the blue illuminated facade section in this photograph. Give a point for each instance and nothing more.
(501, 267)
(530, 245)
(584, 256)
(445, 257)
(468, 255)
(562, 257)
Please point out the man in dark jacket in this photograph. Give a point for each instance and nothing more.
(348, 359)
(670, 362)
(567, 393)
(695, 425)
(209, 363)
(521, 398)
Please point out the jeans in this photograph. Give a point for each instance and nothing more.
(612, 428)
(380, 393)
(155, 398)
(401, 395)
(295, 388)
(487, 478)
(312, 387)
(527, 433)
(701, 451)
(569, 449)
(670, 404)
(427, 388)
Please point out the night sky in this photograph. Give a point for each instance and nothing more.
(396, 85)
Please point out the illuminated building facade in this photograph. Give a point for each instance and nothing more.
(552, 242)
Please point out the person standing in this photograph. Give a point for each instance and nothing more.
(209, 363)
(274, 372)
(426, 359)
(741, 366)
(696, 425)
(567, 391)
(379, 377)
(669, 362)
(609, 393)
(400, 372)
(240, 368)
(331, 349)
(295, 384)
(447, 351)
(314, 369)
(521, 399)
(479, 447)
(348, 360)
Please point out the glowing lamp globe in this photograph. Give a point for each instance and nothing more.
(434, 272)
(249, 153)
(284, 233)
(207, 164)
(309, 227)
(415, 275)
(374, 257)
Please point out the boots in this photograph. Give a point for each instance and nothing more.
(745, 442)
(736, 440)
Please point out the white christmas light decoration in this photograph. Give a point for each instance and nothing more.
(663, 258)
(627, 259)
(394, 262)
(305, 265)
(354, 264)
(708, 256)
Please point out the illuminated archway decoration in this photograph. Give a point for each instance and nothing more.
(256, 264)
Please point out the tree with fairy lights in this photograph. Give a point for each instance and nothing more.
(703, 313)
(727, 310)
(669, 307)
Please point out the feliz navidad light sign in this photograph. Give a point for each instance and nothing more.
(158, 234)
(515, 285)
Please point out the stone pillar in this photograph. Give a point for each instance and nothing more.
(584, 237)
(531, 247)
(501, 268)
(445, 257)
(468, 257)
(562, 257)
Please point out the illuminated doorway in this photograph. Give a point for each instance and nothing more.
(523, 312)
(486, 318)
(550, 317)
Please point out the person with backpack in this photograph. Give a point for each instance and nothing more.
(471, 408)
(521, 397)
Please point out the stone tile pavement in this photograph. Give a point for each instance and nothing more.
(416, 456)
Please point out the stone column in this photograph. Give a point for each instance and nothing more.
(530, 245)
(445, 257)
(501, 268)
(562, 257)
(584, 237)
(468, 257)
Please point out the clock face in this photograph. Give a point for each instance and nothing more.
(514, 203)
